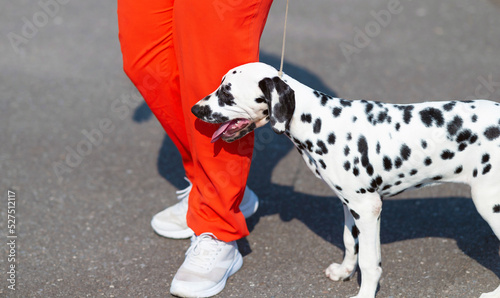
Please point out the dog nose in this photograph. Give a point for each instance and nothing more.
(201, 112)
(196, 110)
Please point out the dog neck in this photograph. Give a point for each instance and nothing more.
(307, 101)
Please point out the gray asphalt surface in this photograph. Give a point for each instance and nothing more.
(82, 220)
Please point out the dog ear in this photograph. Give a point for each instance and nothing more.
(280, 100)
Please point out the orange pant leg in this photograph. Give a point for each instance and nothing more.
(210, 38)
(176, 52)
(146, 39)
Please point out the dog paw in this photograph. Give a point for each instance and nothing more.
(338, 272)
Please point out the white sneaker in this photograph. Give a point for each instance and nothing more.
(208, 264)
(171, 222)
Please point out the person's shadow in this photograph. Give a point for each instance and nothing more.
(448, 217)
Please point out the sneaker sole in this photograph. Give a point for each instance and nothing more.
(180, 234)
(238, 262)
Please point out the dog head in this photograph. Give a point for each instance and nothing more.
(248, 97)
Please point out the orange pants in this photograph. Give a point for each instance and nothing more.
(175, 53)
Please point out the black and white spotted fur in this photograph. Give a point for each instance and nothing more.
(367, 150)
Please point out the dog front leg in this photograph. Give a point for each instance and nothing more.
(345, 270)
(367, 219)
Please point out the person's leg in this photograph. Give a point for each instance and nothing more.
(146, 38)
(211, 37)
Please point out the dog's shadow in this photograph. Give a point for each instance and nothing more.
(451, 217)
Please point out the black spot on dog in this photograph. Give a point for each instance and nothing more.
(331, 138)
(225, 97)
(368, 108)
(369, 169)
(322, 163)
(474, 173)
(398, 162)
(492, 133)
(407, 115)
(413, 172)
(474, 118)
(436, 178)
(381, 117)
(347, 165)
(455, 125)
(464, 135)
(428, 161)
(486, 169)
(354, 214)
(430, 116)
(317, 125)
(309, 146)
(363, 149)
(405, 152)
(387, 163)
(345, 103)
(397, 126)
(346, 150)
(354, 119)
(306, 118)
(462, 147)
(473, 139)
(356, 248)
(447, 154)
(338, 188)
(387, 187)
(324, 99)
(377, 148)
(398, 183)
(424, 144)
(349, 136)
(459, 170)
(485, 158)
(322, 146)
(449, 106)
(355, 171)
(336, 111)
(355, 232)
(496, 209)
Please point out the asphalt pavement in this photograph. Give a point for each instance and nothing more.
(84, 165)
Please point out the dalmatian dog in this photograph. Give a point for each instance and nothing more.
(366, 150)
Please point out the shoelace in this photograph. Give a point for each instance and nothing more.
(203, 251)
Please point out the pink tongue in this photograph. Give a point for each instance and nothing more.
(218, 133)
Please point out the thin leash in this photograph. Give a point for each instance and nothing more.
(280, 73)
